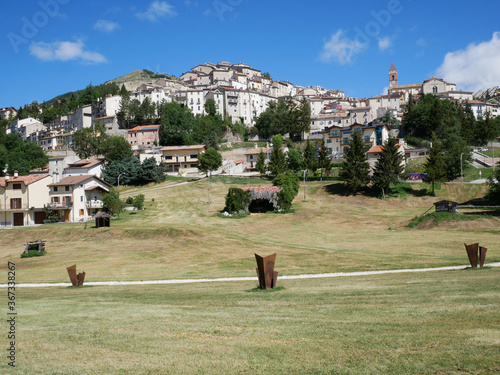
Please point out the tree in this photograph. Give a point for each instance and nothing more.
(115, 148)
(434, 166)
(112, 203)
(389, 167)
(87, 141)
(129, 170)
(355, 168)
(277, 160)
(138, 201)
(150, 172)
(309, 154)
(453, 146)
(289, 184)
(261, 166)
(493, 193)
(209, 161)
(177, 124)
(324, 160)
(294, 159)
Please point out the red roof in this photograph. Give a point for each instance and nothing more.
(27, 180)
(273, 189)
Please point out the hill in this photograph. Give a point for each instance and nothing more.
(131, 81)
(136, 78)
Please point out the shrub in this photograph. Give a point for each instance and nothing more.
(139, 201)
(237, 200)
(33, 253)
(129, 200)
(289, 184)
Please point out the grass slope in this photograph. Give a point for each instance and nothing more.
(434, 323)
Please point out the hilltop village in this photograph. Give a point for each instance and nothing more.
(73, 187)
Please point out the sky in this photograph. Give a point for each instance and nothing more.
(50, 47)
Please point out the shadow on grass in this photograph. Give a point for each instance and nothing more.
(259, 290)
(396, 191)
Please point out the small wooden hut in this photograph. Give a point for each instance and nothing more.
(102, 219)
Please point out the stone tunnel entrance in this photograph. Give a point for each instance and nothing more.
(260, 206)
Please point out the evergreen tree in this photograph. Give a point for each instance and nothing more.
(277, 161)
(309, 154)
(434, 165)
(388, 168)
(294, 160)
(261, 166)
(324, 160)
(355, 168)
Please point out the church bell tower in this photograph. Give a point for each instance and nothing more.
(393, 76)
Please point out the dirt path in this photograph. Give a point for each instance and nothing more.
(290, 277)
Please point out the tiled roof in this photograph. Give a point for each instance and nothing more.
(27, 180)
(83, 164)
(267, 189)
(176, 148)
(144, 127)
(74, 180)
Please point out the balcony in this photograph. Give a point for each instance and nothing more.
(95, 204)
(59, 205)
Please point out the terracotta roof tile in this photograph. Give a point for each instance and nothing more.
(27, 180)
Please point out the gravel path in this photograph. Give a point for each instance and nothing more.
(290, 277)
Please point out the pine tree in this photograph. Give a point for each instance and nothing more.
(388, 168)
(260, 166)
(277, 162)
(434, 166)
(324, 160)
(354, 169)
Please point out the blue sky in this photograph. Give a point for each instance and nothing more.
(50, 47)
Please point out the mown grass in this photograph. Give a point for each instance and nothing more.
(438, 322)
(179, 235)
(428, 323)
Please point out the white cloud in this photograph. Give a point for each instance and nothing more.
(421, 42)
(475, 67)
(157, 10)
(106, 26)
(65, 51)
(341, 48)
(384, 43)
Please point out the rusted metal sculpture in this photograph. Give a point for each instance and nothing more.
(76, 279)
(482, 255)
(475, 253)
(265, 271)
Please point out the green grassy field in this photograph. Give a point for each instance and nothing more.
(442, 322)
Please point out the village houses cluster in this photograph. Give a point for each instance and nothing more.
(73, 189)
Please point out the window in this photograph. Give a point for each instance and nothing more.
(193, 156)
(168, 157)
(328, 141)
(367, 138)
(16, 186)
(81, 198)
(55, 189)
(81, 212)
(66, 188)
(15, 203)
(193, 165)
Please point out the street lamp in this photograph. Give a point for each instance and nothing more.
(461, 170)
(305, 170)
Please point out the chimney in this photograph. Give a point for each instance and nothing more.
(16, 174)
(7, 177)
